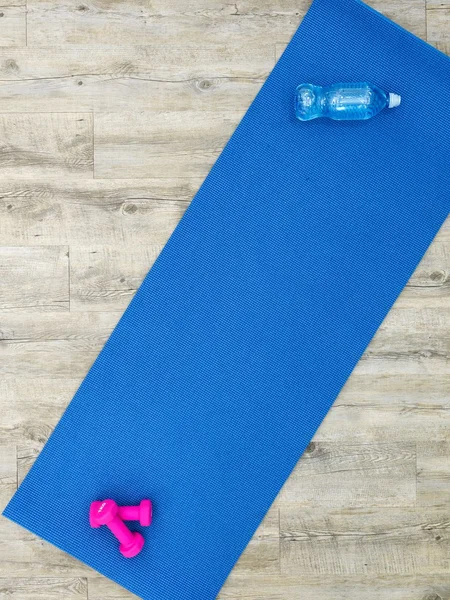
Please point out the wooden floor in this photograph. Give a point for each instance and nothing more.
(111, 114)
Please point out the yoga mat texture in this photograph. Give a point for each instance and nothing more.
(254, 315)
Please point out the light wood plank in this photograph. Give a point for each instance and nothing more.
(117, 79)
(383, 541)
(53, 345)
(335, 587)
(379, 423)
(88, 331)
(167, 63)
(374, 475)
(26, 457)
(431, 280)
(13, 29)
(70, 22)
(433, 465)
(43, 589)
(162, 21)
(89, 211)
(426, 391)
(32, 407)
(24, 555)
(34, 279)
(107, 277)
(443, 45)
(109, 211)
(54, 211)
(374, 408)
(410, 340)
(43, 145)
(101, 588)
(8, 473)
(438, 24)
(169, 144)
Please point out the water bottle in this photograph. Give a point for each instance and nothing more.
(342, 101)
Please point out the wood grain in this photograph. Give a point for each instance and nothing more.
(335, 587)
(168, 144)
(107, 277)
(138, 211)
(101, 588)
(26, 457)
(377, 541)
(375, 475)
(382, 407)
(410, 340)
(13, 28)
(110, 118)
(118, 79)
(433, 473)
(431, 281)
(40, 144)
(53, 345)
(438, 23)
(161, 22)
(34, 279)
(88, 212)
(8, 473)
(31, 407)
(43, 589)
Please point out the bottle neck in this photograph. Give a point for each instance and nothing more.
(393, 100)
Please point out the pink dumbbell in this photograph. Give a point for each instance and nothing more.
(141, 513)
(106, 513)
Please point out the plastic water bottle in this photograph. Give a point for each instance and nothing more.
(342, 101)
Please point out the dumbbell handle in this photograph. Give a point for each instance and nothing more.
(130, 513)
(121, 531)
(141, 513)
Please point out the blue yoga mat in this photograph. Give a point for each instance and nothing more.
(256, 312)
